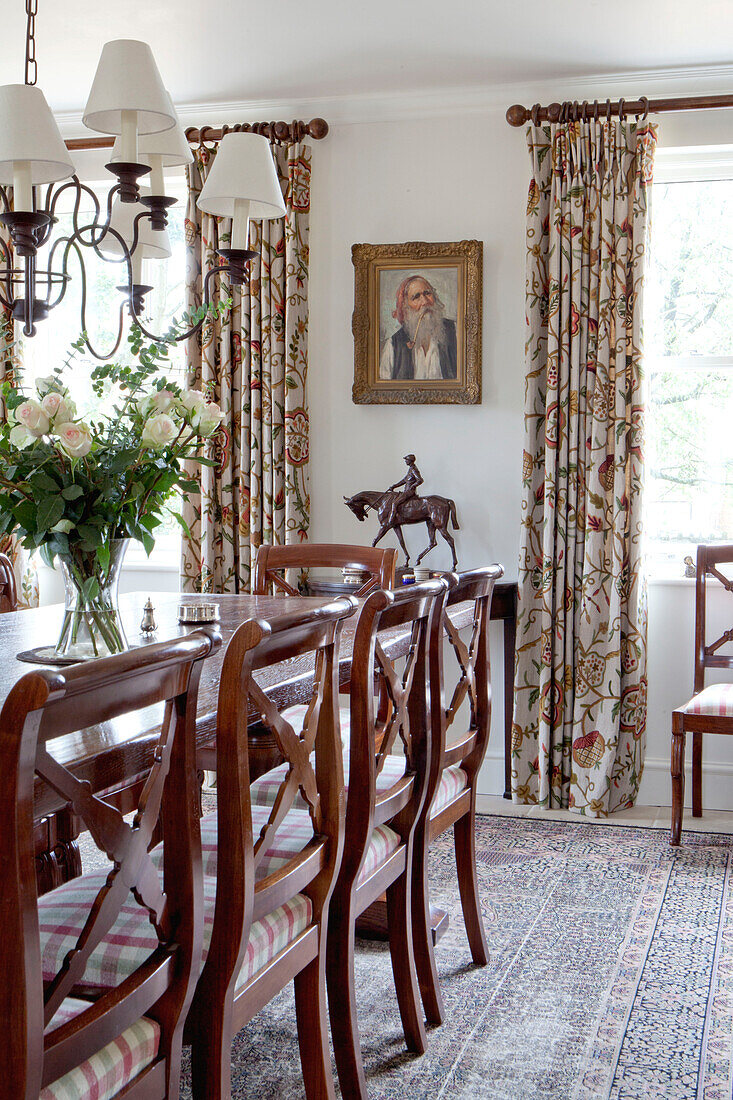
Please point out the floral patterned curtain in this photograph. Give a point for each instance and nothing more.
(580, 688)
(253, 362)
(26, 576)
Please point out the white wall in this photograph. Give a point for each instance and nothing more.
(438, 179)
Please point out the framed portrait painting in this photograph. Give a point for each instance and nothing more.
(417, 323)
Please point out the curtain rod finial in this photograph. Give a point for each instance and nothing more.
(318, 128)
(517, 115)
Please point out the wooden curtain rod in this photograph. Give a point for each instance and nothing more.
(317, 128)
(518, 115)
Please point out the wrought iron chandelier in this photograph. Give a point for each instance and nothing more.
(128, 99)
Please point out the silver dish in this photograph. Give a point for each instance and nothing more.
(198, 613)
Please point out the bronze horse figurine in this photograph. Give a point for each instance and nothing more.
(435, 512)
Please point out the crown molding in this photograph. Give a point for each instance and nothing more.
(436, 102)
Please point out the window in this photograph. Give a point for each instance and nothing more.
(688, 323)
(54, 336)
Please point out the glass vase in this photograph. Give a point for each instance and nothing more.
(92, 625)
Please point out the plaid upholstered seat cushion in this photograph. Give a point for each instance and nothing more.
(263, 791)
(452, 782)
(111, 1069)
(715, 700)
(63, 912)
(290, 839)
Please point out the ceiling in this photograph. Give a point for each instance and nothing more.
(286, 50)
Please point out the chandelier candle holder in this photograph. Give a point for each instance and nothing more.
(129, 101)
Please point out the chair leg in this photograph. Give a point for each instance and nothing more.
(697, 775)
(678, 780)
(341, 998)
(427, 974)
(211, 1058)
(399, 920)
(310, 1011)
(464, 840)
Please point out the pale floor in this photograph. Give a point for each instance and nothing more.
(656, 817)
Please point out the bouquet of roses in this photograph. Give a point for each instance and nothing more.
(75, 486)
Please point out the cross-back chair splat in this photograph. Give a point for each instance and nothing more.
(466, 656)
(397, 688)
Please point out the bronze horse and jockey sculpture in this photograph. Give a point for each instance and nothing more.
(394, 510)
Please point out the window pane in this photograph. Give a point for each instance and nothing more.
(689, 485)
(689, 304)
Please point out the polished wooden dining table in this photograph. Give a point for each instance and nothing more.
(110, 755)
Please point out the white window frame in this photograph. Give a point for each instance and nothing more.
(695, 164)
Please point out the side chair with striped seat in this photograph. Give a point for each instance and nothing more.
(79, 1024)
(272, 870)
(385, 791)
(710, 710)
(456, 762)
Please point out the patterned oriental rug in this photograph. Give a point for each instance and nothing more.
(611, 977)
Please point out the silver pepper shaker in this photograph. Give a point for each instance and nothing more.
(148, 624)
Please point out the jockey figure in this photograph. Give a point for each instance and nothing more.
(411, 480)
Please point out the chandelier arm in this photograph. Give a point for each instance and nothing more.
(64, 276)
(8, 264)
(97, 355)
(180, 337)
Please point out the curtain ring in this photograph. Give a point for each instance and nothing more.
(608, 110)
(584, 111)
(576, 110)
(621, 117)
(535, 114)
(203, 138)
(596, 106)
(643, 99)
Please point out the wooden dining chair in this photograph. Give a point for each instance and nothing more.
(385, 794)
(90, 1007)
(270, 870)
(452, 784)
(8, 587)
(710, 710)
(274, 561)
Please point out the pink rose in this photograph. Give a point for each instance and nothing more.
(74, 439)
(33, 418)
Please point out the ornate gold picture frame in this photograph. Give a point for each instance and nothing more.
(417, 323)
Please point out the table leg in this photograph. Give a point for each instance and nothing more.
(510, 641)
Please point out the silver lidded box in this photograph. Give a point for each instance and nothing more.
(198, 613)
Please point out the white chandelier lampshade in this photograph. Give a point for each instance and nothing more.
(128, 96)
(162, 150)
(151, 244)
(242, 183)
(32, 150)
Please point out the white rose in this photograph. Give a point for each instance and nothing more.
(33, 417)
(74, 439)
(158, 431)
(20, 437)
(50, 384)
(190, 403)
(157, 402)
(208, 419)
(58, 408)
